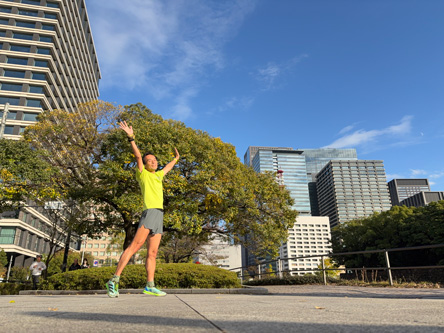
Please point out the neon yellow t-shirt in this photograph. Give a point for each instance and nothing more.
(152, 189)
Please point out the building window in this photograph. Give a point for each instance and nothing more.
(10, 100)
(31, 2)
(34, 103)
(25, 24)
(43, 50)
(4, 21)
(51, 16)
(5, 10)
(28, 12)
(49, 27)
(36, 89)
(38, 76)
(20, 48)
(46, 39)
(30, 116)
(7, 235)
(52, 4)
(10, 86)
(22, 36)
(8, 129)
(41, 63)
(17, 61)
(11, 115)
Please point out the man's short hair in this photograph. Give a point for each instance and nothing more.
(39, 256)
(145, 155)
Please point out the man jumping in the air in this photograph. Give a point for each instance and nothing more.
(151, 221)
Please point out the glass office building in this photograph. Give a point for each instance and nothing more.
(292, 163)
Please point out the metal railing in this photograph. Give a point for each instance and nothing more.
(280, 272)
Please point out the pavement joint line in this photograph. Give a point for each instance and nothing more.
(220, 329)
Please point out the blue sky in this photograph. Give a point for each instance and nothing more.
(364, 74)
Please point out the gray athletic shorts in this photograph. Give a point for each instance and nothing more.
(152, 219)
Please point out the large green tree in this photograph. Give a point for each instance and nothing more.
(208, 191)
(399, 227)
(23, 175)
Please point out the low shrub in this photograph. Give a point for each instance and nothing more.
(292, 280)
(134, 277)
(13, 288)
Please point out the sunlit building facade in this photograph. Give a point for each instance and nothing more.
(47, 61)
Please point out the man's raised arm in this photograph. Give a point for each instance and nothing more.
(131, 138)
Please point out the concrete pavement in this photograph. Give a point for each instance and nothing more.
(284, 309)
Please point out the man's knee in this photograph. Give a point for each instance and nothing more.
(152, 253)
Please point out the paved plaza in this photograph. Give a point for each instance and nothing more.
(282, 309)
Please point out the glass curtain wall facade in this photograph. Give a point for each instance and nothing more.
(292, 163)
(47, 61)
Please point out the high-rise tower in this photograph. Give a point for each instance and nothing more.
(47, 61)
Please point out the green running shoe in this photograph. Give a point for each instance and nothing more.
(113, 288)
(154, 291)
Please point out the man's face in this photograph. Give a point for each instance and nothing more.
(150, 163)
(39, 259)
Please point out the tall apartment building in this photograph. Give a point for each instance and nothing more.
(47, 61)
(401, 189)
(315, 160)
(422, 199)
(310, 236)
(348, 190)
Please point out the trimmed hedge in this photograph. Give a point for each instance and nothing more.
(13, 288)
(134, 277)
(293, 280)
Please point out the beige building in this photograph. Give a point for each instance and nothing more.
(101, 249)
(309, 238)
(47, 61)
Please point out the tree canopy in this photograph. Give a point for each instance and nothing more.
(399, 227)
(208, 191)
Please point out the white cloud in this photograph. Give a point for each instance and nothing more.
(436, 175)
(268, 74)
(163, 47)
(346, 129)
(416, 172)
(362, 137)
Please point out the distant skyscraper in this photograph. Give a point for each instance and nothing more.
(252, 150)
(292, 163)
(348, 190)
(315, 160)
(401, 189)
(422, 199)
(47, 61)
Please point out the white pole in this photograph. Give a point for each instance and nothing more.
(3, 123)
(9, 269)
